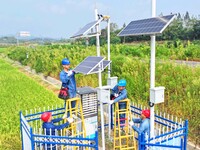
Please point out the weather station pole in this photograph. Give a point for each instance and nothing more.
(108, 41)
(152, 70)
(100, 80)
(109, 106)
(97, 36)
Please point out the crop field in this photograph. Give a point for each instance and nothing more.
(18, 93)
(182, 83)
(2, 49)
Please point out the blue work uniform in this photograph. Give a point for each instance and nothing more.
(122, 105)
(50, 129)
(122, 94)
(144, 126)
(70, 83)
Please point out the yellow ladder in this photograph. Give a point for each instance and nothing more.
(124, 138)
(78, 124)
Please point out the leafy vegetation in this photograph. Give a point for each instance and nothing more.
(46, 59)
(18, 93)
(132, 63)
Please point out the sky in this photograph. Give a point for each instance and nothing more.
(63, 18)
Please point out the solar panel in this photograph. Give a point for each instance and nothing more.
(87, 28)
(104, 64)
(88, 64)
(147, 26)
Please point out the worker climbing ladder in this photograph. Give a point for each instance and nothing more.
(77, 128)
(123, 134)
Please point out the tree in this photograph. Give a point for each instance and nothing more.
(196, 30)
(161, 14)
(179, 17)
(123, 38)
(187, 16)
(113, 27)
(174, 31)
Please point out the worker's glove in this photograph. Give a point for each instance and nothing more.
(70, 120)
(70, 73)
(131, 123)
(75, 72)
(111, 102)
(64, 116)
(116, 95)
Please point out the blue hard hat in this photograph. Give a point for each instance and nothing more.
(65, 61)
(122, 82)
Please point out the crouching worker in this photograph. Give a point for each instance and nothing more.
(50, 128)
(118, 93)
(144, 121)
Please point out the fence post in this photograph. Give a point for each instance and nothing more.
(96, 140)
(143, 141)
(32, 138)
(186, 134)
(20, 113)
(139, 141)
(111, 113)
(182, 143)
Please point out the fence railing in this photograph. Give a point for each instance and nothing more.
(34, 136)
(170, 132)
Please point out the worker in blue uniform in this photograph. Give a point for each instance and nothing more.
(144, 121)
(50, 128)
(118, 93)
(67, 77)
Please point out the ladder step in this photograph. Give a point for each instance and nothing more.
(121, 119)
(132, 148)
(122, 110)
(123, 125)
(125, 136)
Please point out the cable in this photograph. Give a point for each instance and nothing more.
(151, 104)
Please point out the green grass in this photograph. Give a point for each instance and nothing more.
(2, 49)
(18, 93)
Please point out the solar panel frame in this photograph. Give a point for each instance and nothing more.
(174, 15)
(88, 64)
(103, 64)
(148, 26)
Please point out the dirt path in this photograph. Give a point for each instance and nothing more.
(189, 63)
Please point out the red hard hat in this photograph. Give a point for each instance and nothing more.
(146, 113)
(45, 116)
